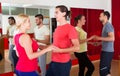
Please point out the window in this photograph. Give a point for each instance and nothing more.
(5, 10)
(31, 11)
(16, 10)
(44, 12)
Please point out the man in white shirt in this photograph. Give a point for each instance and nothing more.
(10, 33)
(42, 36)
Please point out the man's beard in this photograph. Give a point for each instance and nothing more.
(39, 23)
(101, 21)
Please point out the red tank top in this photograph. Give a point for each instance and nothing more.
(24, 64)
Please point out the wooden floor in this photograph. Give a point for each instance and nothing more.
(114, 69)
(6, 67)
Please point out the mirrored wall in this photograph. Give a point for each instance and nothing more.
(31, 10)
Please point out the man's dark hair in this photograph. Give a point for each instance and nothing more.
(106, 13)
(12, 18)
(63, 9)
(40, 16)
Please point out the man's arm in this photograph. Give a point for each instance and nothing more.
(46, 41)
(74, 48)
(110, 37)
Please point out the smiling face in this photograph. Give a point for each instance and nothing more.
(102, 17)
(82, 20)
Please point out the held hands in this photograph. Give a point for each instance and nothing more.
(53, 48)
(96, 38)
(57, 49)
(49, 48)
(91, 38)
(96, 43)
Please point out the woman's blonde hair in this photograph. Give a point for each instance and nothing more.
(21, 19)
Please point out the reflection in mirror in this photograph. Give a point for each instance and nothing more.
(29, 9)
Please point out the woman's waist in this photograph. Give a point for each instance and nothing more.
(27, 65)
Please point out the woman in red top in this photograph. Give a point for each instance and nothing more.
(26, 49)
(65, 39)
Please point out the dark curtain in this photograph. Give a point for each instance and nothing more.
(116, 24)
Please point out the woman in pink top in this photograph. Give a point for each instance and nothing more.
(26, 49)
(65, 39)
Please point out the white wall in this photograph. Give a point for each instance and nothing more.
(94, 4)
(109, 7)
(101, 4)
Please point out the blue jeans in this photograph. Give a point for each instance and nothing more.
(105, 63)
(19, 73)
(12, 55)
(59, 69)
(42, 63)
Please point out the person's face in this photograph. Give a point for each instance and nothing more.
(27, 24)
(82, 20)
(38, 20)
(10, 21)
(102, 17)
(59, 15)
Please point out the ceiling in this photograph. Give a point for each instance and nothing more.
(26, 5)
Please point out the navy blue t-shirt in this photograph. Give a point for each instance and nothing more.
(107, 46)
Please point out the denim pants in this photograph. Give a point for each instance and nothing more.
(59, 69)
(42, 63)
(12, 55)
(105, 63)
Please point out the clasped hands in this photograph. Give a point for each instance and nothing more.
(57, 49)
(96, 38)
(53, 48)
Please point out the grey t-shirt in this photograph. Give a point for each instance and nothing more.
(107, 46)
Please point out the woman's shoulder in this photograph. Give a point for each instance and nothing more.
(25, 37)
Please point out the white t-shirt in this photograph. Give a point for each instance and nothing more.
(41, 32)
(11, 30)
(16, 31)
